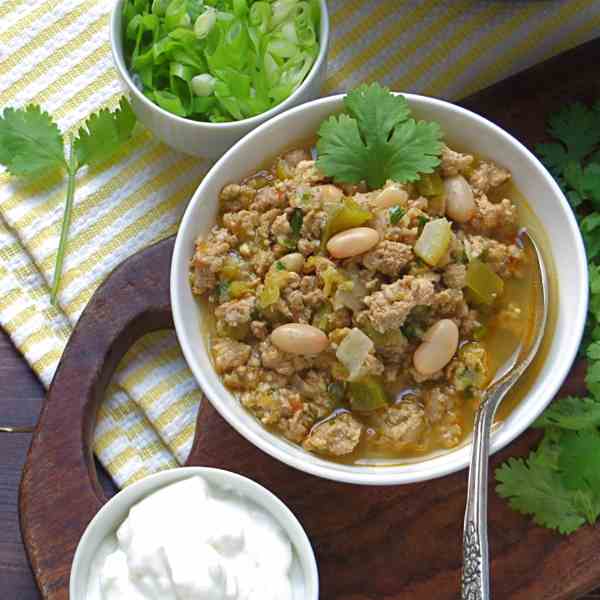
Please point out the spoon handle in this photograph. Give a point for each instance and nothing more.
(475, 583)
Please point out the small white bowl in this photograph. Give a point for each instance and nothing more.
(210, 140)
(557, 232)
(114, 512)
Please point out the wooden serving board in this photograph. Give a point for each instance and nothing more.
(372, 543)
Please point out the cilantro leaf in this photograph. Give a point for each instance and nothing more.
(578, 128)
(553, 155)
(584, 180)
(377, 112)
(579, 460)
(592, 378)
(595, 280)
(30, 142)
(593, 351)
(571, 413)
(103, 133)
(559, 483)
(418, 146)
(377, 140)
(341, 151)
(535, 488)
(589, 229)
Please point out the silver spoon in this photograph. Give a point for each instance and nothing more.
(475, 583)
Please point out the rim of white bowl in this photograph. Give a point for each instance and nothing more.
(119, 60)
(429, 468)
(290, 524)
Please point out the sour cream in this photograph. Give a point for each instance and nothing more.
(193, 541)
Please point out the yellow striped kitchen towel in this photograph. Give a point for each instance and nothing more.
(57, 54)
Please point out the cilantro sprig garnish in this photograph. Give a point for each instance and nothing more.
(31, 145)
(559, 482)
(377, 140)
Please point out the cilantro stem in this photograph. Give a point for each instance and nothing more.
(72, 168)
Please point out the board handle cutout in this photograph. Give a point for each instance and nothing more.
(60, 493)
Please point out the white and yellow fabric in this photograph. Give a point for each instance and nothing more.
(57, 54)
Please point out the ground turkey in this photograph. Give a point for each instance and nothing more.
(229, 354)
(389, 258)
(402, 425)
(209, 258)
(236, 312)
(336, 437)
(453, 162)
(488, 176)
(388, 308)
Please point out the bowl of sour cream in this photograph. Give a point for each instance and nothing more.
(194, 533)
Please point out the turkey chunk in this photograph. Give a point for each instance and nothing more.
(236, 312)
(388, 308)
(488, 176)
(402, 425)
(229, 354)
(454, 163)
(336, 436)
(389, 258)
(209, 258)
(489, 217)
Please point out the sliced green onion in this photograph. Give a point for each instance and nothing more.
(282, 48)
(282, 9)
(203, 85)
(260, 16)
(288, 32)
(240, 8)
(176, 15)
(205, 22)
(170, 102)
(202, 104)
(304, 24)
(159, 7)
(245, 55)
(179, 79)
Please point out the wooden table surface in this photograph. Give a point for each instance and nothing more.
(21, 396)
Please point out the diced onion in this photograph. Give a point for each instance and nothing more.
(353, 350)
(351, 296)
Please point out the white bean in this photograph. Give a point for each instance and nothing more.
(352, 242)
(460, 204)
(437, 348)
(390, 196)
(298, 338)
(293, 262)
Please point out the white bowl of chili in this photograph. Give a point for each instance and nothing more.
(203, 138)
(551, 222)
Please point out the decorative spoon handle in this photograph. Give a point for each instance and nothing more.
(475, 583)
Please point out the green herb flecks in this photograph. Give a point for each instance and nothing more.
(396, 213)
